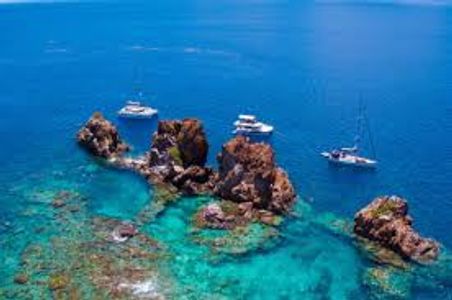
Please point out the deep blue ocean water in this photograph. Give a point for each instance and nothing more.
(302, 66)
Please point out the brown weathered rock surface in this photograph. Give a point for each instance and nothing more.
(247, 172)
(223, 215)
(101, 138)
(21, 278)
(386, 221)
(192, 143)
(195, 180)
(178, 154)
(212, 216)
(181, 143)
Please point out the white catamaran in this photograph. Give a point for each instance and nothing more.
(348, 156)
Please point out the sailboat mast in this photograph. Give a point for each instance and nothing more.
(369, 133)
(359, 124)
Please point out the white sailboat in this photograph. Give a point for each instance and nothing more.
(348, 156)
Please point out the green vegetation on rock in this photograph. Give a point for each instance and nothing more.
(385, 209)
(175, 154)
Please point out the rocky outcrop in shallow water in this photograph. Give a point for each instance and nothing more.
(229, 215)
(123, 232)
(386, 221)
(214, 216)
(101, 138)
(177, 156)
(182, 143)
(248, 173)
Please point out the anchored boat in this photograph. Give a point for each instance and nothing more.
(248, 125)
(348, 156)
(135, 110)
(345, 157)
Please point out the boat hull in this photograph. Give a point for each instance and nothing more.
(351, 160)
(145, 115)
(252, 132)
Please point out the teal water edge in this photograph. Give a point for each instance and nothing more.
(300, 66)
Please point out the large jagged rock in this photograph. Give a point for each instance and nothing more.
(178, 154)
(248, 173)
(101, 138)
(182, 143)
(386, 221)
(192, 143)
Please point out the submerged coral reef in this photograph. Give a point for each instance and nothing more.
(70, 250)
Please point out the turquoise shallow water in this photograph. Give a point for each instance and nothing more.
(311, 256)
(300, 66)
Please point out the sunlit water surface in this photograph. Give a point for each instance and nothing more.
(301, 67)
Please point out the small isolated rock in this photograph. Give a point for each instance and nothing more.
(123, 232)
(58, 203)
(21, 278)
(58, 281)
(101, 138)
(61, 198)
(213, 211)
(386, 221)
(212, 216)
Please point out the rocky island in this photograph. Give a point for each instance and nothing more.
(248, 177)
(386, 221)
(101, 138)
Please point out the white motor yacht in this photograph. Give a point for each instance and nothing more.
(135, 110)
(248, 124)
